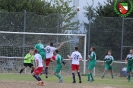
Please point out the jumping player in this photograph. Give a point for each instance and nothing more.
(40, 48)
(38, 68)
(49, 53)
(91, 64)
(129, 60)
(28, 61)
(108, 60)
(75, 57)
(58, 58)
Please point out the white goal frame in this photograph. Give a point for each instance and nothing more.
(32, 33)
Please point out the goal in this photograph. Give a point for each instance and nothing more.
(14, 46)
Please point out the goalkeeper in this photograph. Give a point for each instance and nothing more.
(28, 61)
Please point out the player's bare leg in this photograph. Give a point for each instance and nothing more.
(104, 73)
(73, 75)
(32, 69)
(79, 76)
(40, 82)
(112, 74)
(89, 76)
(22, 69)
(129, 76)
(59, 76)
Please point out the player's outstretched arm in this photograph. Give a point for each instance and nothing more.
(60, 46)
(37, 62)
(126, 60)
(69, 57)
(103, 62)
(80, 59)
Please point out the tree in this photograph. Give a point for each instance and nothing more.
(58, 12)
(106, 28)
(41, 16)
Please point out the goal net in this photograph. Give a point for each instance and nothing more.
(15, 45)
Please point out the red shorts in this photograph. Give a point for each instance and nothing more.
(38, 70)
(47, 61)
(75, 67)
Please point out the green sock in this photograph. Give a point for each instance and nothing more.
(59, 76)
(103, 75)
(128, 77)
(112, 76)
(89, 77)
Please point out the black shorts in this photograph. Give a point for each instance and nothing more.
(28, 64)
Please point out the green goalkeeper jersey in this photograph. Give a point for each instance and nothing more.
(130, 59)
(58, 59)
(39, 47)
(28, 58)
(93, 57)
(108, 59)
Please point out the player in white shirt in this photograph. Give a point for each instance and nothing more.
(49, 53)
(38, 68)
(75, 57)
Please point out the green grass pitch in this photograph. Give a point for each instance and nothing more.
(26, 80)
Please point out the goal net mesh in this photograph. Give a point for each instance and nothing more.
(14, 46)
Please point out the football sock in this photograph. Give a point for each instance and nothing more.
(21, 71)
(112, 76)
(89, 77)
(103, 75)
(59, 76)
(37, 77)
(73, 75)
(79, 76)
(32, 70)
(46, 70)
(129, 77)
(63, 62)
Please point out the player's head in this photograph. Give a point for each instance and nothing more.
(35, 51)
(109, 52)
(31, 51)
(56, 52)
(39, 41)
(76, 48)
(51, 44)
(131, 51)
(92, 49)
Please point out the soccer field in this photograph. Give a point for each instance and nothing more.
(27, 81)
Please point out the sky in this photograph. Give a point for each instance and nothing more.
(82, 4)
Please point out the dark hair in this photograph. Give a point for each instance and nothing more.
(110, 51)
(93, 48)
(76, 48)
(51, 44)
(35, 51)
(39, 41)
(57, 51)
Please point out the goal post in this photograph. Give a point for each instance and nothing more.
(14, 44)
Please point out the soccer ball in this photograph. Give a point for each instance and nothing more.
(78, 8)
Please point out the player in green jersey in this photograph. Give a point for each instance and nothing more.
(40, 48)
(108, 60)
(91, 64)
(58, 58)
(28, 61)
(129, 61)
